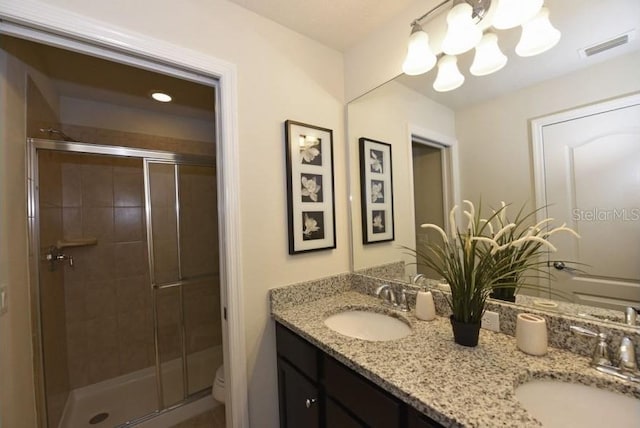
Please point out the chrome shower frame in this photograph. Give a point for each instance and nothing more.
(36, 255)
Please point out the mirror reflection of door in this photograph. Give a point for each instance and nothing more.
(592, 182)
(428, 195)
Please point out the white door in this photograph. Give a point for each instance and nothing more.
(592, 182)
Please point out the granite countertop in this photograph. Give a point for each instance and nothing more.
(454, 385)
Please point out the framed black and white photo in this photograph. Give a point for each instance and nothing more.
(376, 191)
(310, 189)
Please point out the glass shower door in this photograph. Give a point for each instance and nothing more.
(199, 263)
(183, 249)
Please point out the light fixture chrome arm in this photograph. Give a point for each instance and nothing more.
(431, 11)
(480, 8)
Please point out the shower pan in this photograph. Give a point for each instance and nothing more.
(131, 331)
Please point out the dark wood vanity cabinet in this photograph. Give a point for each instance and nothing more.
(299, 389)
(299, 406)
(315, 390)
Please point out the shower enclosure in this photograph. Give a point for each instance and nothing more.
(124, 244)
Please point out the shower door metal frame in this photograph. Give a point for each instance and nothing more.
(33, 216)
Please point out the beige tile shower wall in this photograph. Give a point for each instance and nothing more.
(108, 298)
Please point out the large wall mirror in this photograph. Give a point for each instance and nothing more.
(486, 141)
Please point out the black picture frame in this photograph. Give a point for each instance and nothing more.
(310, 187)
(376, 191)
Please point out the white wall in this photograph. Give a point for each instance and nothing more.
(495, 137)
(281, 75)
(385, 115)
(82, 112)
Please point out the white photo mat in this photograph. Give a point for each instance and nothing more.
(310, 188)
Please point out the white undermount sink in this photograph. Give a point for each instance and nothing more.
(368, 325)
(563, 404)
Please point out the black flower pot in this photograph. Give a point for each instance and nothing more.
(506, 297)
(465, 334)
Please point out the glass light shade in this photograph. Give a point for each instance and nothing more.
(538, 35)
(511, 13)
(489, 58)
(462, 33)
(449, 77)
(420, 58)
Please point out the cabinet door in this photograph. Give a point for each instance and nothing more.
(336, 417)
(416, 419)
(299, 406)
(368, 402)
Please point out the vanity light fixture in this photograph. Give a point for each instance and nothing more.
(420, 57)
(466, 22)
(538, 35)
(161, 97)
(462, 33)
(489, 58)
(449, 76)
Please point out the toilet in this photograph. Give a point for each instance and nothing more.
(218, 385)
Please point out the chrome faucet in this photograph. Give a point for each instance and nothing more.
(390, 298)
(417, 277)
(627, 365)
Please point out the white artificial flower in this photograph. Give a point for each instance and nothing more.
(489, 241)
(308, 149)
(488, 223)
(562, 228)
(310, 188)
(376, 192)
(504, 230)
(470, 214)
(310, 225)
(377, 222)
(452, 222)
(503, 212)
(437, 228)
(376, 166)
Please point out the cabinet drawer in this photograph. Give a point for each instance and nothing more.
(365, 400)
(299, 352)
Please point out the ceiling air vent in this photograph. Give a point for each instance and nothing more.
(620, 40)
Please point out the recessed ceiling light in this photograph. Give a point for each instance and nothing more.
(161, 96)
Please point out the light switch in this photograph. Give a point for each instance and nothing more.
(4, 300)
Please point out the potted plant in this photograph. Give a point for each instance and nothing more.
(519, 249)
(489, 254)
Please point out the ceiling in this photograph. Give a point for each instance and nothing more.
(335, 23)
(82, 76)
(341, 23)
